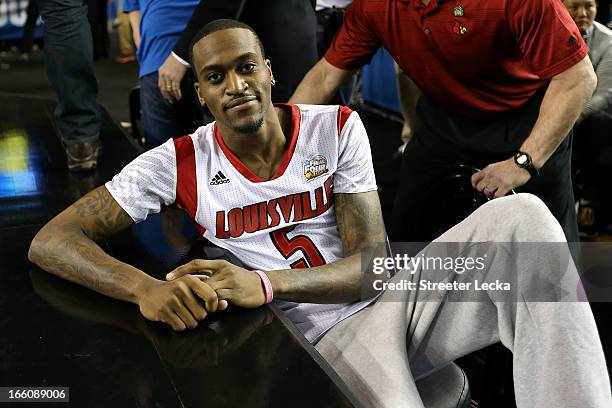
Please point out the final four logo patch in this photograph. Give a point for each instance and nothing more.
(315, 167)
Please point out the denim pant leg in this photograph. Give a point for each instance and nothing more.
(68, 52)
(161, 120)
(27, 38)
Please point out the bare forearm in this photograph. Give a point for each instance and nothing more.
(73, 256)
(363, 236)
(66, 247)
(563, 102)
(320, 84)
(337, 282)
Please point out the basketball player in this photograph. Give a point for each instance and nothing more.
(290, 190)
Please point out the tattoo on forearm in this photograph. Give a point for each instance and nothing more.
(72, 254)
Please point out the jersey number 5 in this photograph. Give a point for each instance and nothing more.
(289, 246)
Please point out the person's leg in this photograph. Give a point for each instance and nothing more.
(554, 183)
(161, 120)
(96, 14)
(554, 186)
(422, 166)
(287, 30)
(68, 56)
(329, 21)
(124, 30)
(558, 360)
(435, 149)
(603, 11)
(595, 168)
(27, 39)
(70, 69)
(451, 139)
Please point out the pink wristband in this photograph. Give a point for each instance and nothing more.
(267, 286)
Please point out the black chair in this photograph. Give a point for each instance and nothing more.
(449, 201)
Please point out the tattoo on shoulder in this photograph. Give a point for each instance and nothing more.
(93, 202)
(98, 209)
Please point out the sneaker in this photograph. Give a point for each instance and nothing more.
(83, 156)
(587, 225)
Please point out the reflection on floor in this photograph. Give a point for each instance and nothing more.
(34, 183)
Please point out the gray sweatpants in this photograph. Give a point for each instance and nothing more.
(558, 357)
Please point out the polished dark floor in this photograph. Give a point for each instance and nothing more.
(55, 333)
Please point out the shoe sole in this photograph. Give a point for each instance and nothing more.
(83, 166)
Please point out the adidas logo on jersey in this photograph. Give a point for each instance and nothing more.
(219, 179)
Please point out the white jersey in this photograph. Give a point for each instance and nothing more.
(285, 222)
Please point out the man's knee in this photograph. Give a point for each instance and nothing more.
(526, 216)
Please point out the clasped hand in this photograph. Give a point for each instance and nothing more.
(198, 288)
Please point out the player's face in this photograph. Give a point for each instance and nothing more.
(583, 12)
(234, 80)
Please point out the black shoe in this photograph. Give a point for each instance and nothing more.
(83, 156)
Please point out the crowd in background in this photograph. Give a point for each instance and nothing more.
(156, 35)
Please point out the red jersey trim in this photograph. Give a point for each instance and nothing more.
(244, 170)
(186, 181)
(343, 115)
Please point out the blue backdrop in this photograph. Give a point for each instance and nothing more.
(379, 82)
(12, 19)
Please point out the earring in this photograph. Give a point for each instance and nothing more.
(273, 81)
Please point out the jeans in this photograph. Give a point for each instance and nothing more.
(162, 120)
(27, 38)
(68, 54)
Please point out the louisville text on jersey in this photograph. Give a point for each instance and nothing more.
(268, 214)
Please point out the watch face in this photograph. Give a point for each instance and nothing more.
(521, 159)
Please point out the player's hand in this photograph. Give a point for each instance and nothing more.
(170, 75)
(497, 179)
(179, 303)
(232, 283)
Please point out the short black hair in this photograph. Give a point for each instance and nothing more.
(218, 25)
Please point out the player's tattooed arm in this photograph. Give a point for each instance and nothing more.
(362, 231)
(66, 246)
(360, 221)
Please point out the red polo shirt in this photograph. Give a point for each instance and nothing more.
(473, 57)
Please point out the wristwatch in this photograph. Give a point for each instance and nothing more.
(523, 160)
